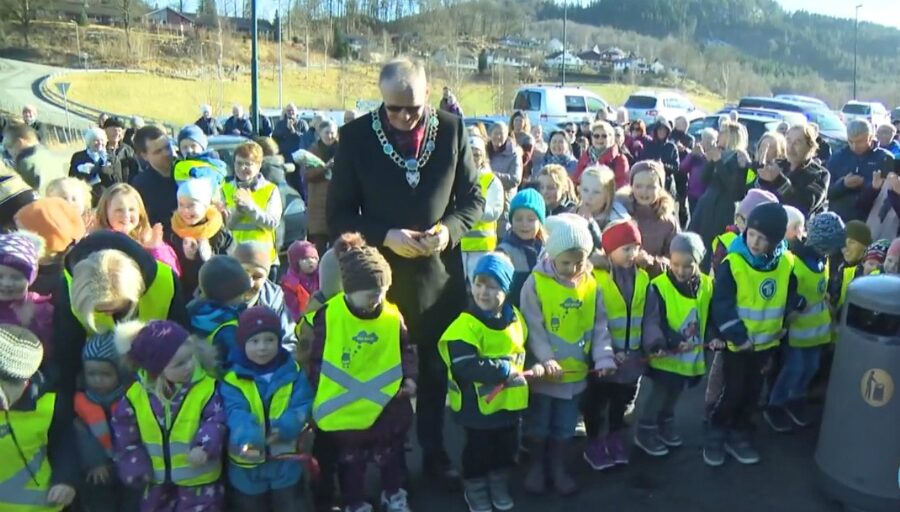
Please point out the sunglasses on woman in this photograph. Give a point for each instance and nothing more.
(396, 109)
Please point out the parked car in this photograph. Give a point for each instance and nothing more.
(895, 115)
(553, 104)
(814, 110)
(802, 99)
(487, 121)
(756, 123)
(648, 105)
(224, 146)
(871, 111)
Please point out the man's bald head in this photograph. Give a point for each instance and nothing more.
(402, 75)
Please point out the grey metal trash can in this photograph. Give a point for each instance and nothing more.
(858, 455)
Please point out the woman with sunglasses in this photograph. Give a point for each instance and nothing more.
(603, 150)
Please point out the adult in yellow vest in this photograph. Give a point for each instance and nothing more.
(482, 238)
(810, 330)
(267, 398)
(754, 291)
(357, 371)
(683, 296)
(38, 442)
(169, 431)
(109, 279)
(253, 204)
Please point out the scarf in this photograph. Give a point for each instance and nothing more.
(205, 230)
(765, 262)
(105, 401)
(277, 362)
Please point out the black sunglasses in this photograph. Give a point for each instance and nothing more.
(599, 135)
(396, 109)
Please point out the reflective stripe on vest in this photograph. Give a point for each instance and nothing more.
(211, 338)
(569, 321)
(688, 317)
(724, 239)
(483, 235)
(361, 367)
(153, 305)
(94, 418)
(169, 450)
(508, 344)
(25, 472)
(812, 326)
(761, 299)
(244, 229)
(264, 414)
(624, 322)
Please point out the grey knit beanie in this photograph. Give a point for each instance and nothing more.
(826, 233)
(688, 243)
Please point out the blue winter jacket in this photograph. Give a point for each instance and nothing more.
(206, 315)
(244, 428)
(842, 200)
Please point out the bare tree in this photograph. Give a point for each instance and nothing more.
(20, 12)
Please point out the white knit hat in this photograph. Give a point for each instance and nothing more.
(198, 189)
(477, 142)
(567, 231)
(21, 353)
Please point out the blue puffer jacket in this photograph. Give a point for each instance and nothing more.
(842, 200)
(206, 316)
(244, 428)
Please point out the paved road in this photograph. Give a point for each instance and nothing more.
(785, 480)
(18, 81)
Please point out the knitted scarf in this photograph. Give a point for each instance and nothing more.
(205, 230)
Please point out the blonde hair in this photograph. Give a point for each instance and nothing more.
(560, 176)
(607, 179)
(777, 141)
(59, 186)
(665, 204)
(143, 229)
(105, 276)
(607, 128)
(736, 135)
(810, 132)
(526, 123)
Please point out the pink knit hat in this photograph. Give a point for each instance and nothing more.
(754, 198)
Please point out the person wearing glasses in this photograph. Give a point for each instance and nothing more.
(405, 179)
(571, 131)
(603, 150)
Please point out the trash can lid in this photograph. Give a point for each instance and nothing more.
(880, 293)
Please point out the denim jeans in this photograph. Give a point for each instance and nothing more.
(799, 367)
(552, 418)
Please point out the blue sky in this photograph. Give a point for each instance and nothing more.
(886, 12)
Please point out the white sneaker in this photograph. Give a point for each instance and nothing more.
(395, 503)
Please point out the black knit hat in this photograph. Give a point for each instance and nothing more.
(222, 279)
(771, 220)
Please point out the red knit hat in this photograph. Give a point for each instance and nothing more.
(256, 320)
(620, 234)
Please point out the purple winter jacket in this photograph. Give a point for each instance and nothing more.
(693, 166)
(132, 460)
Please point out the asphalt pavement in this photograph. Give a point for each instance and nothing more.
(19, 83)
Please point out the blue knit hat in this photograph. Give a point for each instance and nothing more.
(497, 267)
(826, 233)
(530, 199)
(194, 133)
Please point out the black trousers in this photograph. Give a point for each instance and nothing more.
(325, 452)
(739, 396)
(289, 498)
(430, 402)
(605, 401)
(488, 450)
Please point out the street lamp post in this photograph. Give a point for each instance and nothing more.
(855, 46)
(565, 37)
(254, 68)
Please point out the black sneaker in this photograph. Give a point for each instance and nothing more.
(740, 448)
(799, 413)
(714, 448)
(777, 418)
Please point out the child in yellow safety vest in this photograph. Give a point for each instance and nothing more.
(224, 288)
(810, 330)
(169, 430)
(631, 320)
(37, 447)
(524, 242)
(859, 236)
(754, 290)
(721, 243)
(683, 295)
(482, 238)
(485, 348)
(104, 386)
(267, 403)
(362, 370)
(568, 337)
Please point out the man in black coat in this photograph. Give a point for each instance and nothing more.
(207, 123)
(124, 159)
(237, 124)
(416, 216)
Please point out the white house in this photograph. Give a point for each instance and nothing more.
(657, 68)
(554, 45)
(613, 53)
(558, 59)
(506, 59)
(459, 58)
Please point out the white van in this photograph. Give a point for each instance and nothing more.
(551, 105)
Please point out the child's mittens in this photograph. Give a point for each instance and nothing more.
(205, 250)
(287, 427)
(197, 456)
(190, 247)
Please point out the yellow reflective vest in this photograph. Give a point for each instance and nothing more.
(761, 299)
(687, 316)
(243, 228)
(264, 415)
(847, 275)
(168, 448)
(508, 343)
(569, 321)
(361, 367)
(483, 235)
(812, 326)
(724, 239)
(25, 472)
(153, 305)
(624, 320)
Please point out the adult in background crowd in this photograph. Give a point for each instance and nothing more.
(636, 138)
(559, 152)
(664, 147)
(603, 151)
(449, 103)
(125, 161)
(155, 184)
(684, 141)
(317, 183)
(288, 131)
(881, 201)
(824, 151)
(265, 127)
(349, 115)
(506, 162)
(207, 123)
(238, 124)
(520, 129)
(571, 131)
(29, 157)
(852, 169)
(800, 180)
(14, 195)
(311, 134)
(101, 119)
(136, 124)
(405, 179)
(30, 118)
(885, 134)
(92, 164)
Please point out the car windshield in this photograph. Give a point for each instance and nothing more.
(856, 109)
(826, 120)
(527, 100)
(640, 102)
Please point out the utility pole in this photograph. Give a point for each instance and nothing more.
(855, 46)
(565, 38)
(280, 57)
(254, 67)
